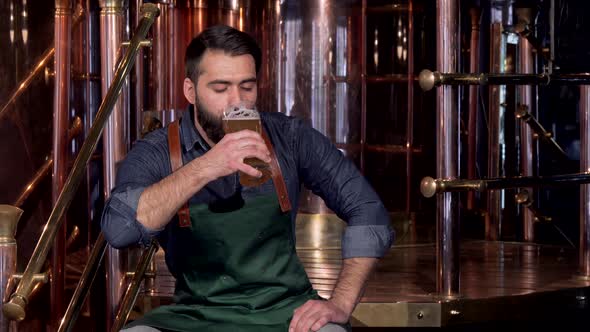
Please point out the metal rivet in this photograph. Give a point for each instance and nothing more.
(420, 315)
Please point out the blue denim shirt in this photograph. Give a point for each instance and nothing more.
(305, 157)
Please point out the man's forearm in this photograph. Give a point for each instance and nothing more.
(350, 285)
(159, 202)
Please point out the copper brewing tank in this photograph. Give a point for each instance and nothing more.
(317, 75)
(179, 22)
(310, 66)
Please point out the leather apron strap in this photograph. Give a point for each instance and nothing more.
(176, 163)
(277, 176)
(275, 168)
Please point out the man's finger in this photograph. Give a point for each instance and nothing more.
(310, 308)
(298, 313)
(254, 152)
(245, 168)
(320, 323)
(310, 317)
(248, 141)
(244, 134)
(261, 147)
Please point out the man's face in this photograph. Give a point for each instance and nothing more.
(224, 80)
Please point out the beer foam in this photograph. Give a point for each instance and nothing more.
(242, 113)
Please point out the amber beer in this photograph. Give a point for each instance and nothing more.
(234, 122)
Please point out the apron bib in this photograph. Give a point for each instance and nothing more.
(242, 275)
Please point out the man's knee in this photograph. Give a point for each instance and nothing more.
(332, 327)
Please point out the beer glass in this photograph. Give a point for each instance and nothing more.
(238, 118)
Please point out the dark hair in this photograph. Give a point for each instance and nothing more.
(219, 37)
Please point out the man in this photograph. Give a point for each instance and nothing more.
(235, 262)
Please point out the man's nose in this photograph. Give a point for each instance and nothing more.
(234, 97)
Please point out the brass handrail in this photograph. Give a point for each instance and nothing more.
(522, 113)
(84, 285)
(133, 289)
(45, 57)
(15, 308)
(9, 217)
(429, 79)
(524, 198)
(429, 186)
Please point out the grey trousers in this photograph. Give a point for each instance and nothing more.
(330, 327)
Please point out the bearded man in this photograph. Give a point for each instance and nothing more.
(231, 247)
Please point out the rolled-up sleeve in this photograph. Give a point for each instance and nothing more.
(146, 164)
(329, 174)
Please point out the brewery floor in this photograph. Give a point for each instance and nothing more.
(500, 281)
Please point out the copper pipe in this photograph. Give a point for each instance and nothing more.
(526, 66)
(391, 78)
(551, 36)
(447, 166)
(133, 288)
(139, 84)
(159, 61)
(535, 43)
(522, 113)
(410, 119)
(9, 217)
(496, 129)
(186, 20)
(429, 186)
(72, 237)
(61, 109)
(326, 42)
(112, 26)
(363, 84)
(32, 185)
(429, 79)
(149, 285)
(74, 131)
(15, 308)
(116, 133)
(473, 103)
(84, 284)
(37, 69)
(267, 30)
(92, 101)
(174, 55)
(585, 189)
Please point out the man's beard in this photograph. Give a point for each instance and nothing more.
(211, 124)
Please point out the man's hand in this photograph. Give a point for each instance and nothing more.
(315, 314)
(227, 156)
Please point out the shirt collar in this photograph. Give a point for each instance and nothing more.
(190, 136)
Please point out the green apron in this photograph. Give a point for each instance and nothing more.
(241, 274)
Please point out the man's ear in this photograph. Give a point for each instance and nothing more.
(190, 90)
